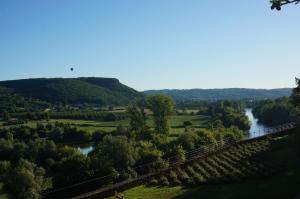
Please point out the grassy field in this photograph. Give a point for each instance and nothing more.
(2, 194)
(176, 123)
(285, 185)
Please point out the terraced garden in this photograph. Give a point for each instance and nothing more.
(234, 165)
(261, 169)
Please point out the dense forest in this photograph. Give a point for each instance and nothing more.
(12, 102)
(228, 113)
(275, 112)
(73, 91)
(223, 94)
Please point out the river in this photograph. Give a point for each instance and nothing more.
(85, 149)
(256, 129)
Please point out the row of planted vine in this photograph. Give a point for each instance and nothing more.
(234, 165)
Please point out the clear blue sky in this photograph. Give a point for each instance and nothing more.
(152, 44)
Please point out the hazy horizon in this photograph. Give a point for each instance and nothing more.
(192, 88)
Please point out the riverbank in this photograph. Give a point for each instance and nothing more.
(256, 130)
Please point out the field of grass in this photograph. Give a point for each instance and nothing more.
(2, 194)
(143, 192)
(176, 123)
(284, 185)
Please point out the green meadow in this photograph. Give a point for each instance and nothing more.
(176, 123)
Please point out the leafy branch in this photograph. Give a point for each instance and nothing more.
(276, 4)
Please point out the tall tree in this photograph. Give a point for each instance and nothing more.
(27, 181)
(296, 101)
(137, 115)
(6, 116)
(162, 107)
(296, 94)
(114, 152)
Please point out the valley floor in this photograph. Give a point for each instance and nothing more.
(285, 185)
(176, 124)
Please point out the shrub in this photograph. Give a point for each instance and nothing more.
(128, 174)
(176, 182)
(196, 166)
(198, 179)
(164, 181)
(187, 123)
(190, 170)
(153, 182)
(183, 176)
(174, 178)
(188, 141)
(202, 171)
(4, 167)
(180, 153)
(190, 182)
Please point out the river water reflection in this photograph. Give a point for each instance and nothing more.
(85, 149)
(256, 129)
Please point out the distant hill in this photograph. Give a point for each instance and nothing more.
(92, 90)
(11, 102)
(223, 94)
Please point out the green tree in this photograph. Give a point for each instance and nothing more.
(27, 181)
(113, 152)
(4, 167)
(296, 94)
(275, 112)
(180, 153)
(162, 107)
(187, 123)
(296, 102)
(47, 116)
(188, 141)
(71, 169)
(206, 138)
(6, 116)
(137, 116)
(154, 158)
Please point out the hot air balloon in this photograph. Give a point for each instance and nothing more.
(72, 69)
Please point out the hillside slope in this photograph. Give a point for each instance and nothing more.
(11, 102)
(223, 94)
(98, 91)
(284, 184)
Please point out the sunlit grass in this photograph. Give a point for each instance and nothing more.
(176, 123)
(3, 195)
(143, 192)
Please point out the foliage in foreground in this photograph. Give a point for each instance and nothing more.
(235, 165)
(282, 185)
(26, 181)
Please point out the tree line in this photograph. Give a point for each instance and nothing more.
(22, 118)
(227, 114)
(275, 112)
